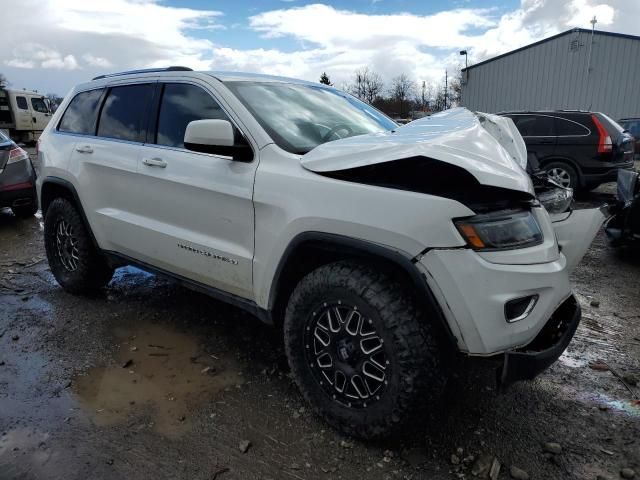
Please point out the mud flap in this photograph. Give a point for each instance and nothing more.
(576, 232)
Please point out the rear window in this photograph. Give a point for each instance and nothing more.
(534, 125)
(22, 103)
(611, 125)
(569, 128)
(81, 114)
(125, 112)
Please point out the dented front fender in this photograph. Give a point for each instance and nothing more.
(576, 230)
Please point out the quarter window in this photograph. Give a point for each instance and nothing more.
(182, 103)
(81, 115)
(534, 126)
(567, 128)
(39, 105)
(22, 103)
(124, 114)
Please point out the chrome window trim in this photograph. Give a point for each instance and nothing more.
(554, 117)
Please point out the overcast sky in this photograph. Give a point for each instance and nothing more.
(50, 45)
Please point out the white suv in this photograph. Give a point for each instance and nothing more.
(381, 250)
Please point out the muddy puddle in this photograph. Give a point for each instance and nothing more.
(158, 378)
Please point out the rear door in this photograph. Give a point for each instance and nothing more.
(198, 207)
(22, 113)
(105, 162)
(574, 137)
(538, 132)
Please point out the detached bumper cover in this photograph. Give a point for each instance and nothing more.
(546, 347)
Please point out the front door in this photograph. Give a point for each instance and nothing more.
(198, 207)
(40, 114)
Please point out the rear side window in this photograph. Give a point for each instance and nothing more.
(81, 114)
(534, 125)
(39, 105)
(125, 111)
(569, 128)
(22, 103)
(182, 103)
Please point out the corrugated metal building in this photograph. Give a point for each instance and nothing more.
(571, 71)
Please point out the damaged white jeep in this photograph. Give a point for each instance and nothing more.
(381, 250)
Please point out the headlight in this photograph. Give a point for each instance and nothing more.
(504, 230)
(556, 200)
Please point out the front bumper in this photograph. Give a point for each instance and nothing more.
(546, 347)
(472, 293)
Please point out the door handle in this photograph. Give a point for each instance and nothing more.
(154, 162)
(84, 149)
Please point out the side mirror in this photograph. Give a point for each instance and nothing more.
(216, 137)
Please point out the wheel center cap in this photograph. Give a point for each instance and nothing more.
(345, 349)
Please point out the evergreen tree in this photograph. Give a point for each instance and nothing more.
(324, 78)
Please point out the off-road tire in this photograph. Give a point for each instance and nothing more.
(417, 373)
(25, 211)
(92, 271)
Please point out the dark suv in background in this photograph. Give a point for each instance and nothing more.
(578, 149)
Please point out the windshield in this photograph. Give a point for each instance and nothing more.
(301, 117)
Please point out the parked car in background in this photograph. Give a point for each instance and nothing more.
(624, 226)
(578, 149)
(17, 179)
(23, 114)
(632, 125)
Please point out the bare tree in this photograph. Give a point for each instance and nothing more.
(424, 97)
(402, 88)
(358, 88)
(455, 89)
(54, 100)
(373, 86)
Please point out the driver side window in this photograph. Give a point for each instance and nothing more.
(182, 103)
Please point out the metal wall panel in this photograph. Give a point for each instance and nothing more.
(557, 74)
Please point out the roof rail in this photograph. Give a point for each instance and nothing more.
(145, 70)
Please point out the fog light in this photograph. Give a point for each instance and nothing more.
(519, 308)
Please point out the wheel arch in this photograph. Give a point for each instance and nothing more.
(56, 187)
(568, 160)
(310, 250)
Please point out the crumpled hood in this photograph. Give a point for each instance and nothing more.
(487, 146)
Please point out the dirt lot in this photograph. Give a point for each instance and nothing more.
(150, 380)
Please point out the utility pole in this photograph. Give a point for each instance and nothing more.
(446, 88)
(424, 87)
(593, 22)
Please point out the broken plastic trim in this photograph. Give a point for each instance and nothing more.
(434, 177)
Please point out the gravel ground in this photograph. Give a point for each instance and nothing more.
(150, 380)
